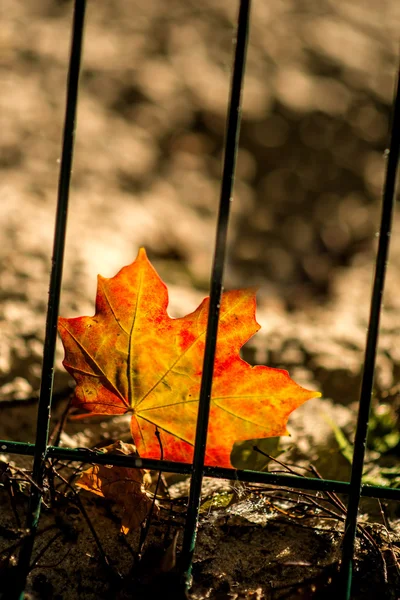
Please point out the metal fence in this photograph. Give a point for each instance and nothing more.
(41, 451)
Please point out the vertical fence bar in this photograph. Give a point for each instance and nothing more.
(231, 144)
(370, 350)
(46, 386)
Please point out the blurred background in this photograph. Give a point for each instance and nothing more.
(151, 119)
(149, 147)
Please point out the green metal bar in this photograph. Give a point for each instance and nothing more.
(46, 389)
(370, 351)
(231, 144)
(85, 455)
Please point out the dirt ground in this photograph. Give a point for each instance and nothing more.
(149, 143)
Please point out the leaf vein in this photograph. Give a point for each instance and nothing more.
(86, 353)
(183, 354)
(130, 350)
(111, 307)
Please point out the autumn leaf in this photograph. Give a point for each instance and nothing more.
(133, 357)
(126, 487)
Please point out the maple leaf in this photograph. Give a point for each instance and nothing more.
(131, 356)
(126, 487)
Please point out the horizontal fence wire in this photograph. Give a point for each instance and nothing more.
(87, 456)
(371, 346)
(46, 387)
(41, 451)
(228, 176)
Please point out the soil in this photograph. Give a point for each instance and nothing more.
(149, 144)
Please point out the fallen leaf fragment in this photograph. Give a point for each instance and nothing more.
(131, 356)
(126, 487)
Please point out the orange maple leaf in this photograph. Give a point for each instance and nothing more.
(133, 357)
(126, 487)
